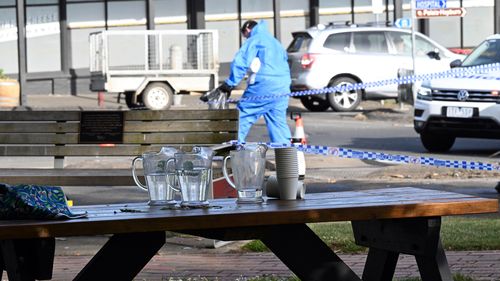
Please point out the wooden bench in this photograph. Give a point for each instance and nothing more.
(390, 221)
(63, 134)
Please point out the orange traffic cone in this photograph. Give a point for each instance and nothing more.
(299, 135)
(100, 99)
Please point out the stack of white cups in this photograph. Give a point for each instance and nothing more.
(273, 189)
(287, 172)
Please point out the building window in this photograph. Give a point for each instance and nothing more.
(170, 14)
(7, 3)
(334, 11)
(222, 15)
(126, 15)
(83, 19)
(43, 42)
(258, 10)
(294, 15)
(8, 39)
(41, 2)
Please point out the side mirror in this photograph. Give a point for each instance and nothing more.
(434, 54)
(456, 63)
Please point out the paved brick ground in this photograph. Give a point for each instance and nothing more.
(482, 265)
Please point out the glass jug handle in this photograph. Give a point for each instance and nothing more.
(166, 173)
(134, 175)
(224, 172)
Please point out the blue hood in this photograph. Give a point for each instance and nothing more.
(274, 72)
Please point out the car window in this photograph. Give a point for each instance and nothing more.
(401, 42)
(338, 41)
(423, 47)
(300, 43)
(373, 42)
(487, 52)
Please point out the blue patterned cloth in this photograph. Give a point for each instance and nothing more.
(34, 202)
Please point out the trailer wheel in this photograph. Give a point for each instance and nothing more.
(157, 96)
(129, 97)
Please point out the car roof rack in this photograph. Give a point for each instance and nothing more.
(340, 24)
(377, 23)
(332, 24)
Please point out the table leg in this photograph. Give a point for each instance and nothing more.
(380, 265)
(2, 264)
(388, 238)
(28, 259)
(123, 256)
(297, 246)
(434, 267)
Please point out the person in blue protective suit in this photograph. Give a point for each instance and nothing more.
(264, 60)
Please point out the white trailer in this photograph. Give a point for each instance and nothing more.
(151, 66)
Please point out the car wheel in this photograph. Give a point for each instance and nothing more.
(129, 96)
(315, 102)
(157, 96)
(346, 100)
(437, 143)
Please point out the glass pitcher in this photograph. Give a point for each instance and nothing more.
(161, 182)
(248, 164)
(194, 174)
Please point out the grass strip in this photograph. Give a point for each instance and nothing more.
(457, 234)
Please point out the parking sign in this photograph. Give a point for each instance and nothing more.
(403, 23)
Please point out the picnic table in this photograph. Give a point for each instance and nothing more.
(389, 221)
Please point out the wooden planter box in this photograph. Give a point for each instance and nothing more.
(9, 93)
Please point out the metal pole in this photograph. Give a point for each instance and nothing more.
(413, 49)
(352, 11)
(387, 11)
(461, 27)
(314, 12)
(21, 49)
(277, 19)
(413, 23)
(65, 38)
(240, 21)
(106, 14)
(150, 15)
(397, 9)
(196, 14)
(496, 16)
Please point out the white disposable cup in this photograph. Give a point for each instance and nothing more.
(301, 190)
(272, 188)
(285, 150)
(288, 188)
(286, 163)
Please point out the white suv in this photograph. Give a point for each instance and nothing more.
(463, 107)
(332, 55)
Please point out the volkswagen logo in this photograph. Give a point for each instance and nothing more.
(462, 95)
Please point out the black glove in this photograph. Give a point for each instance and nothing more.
(224, 87)
(210, 95)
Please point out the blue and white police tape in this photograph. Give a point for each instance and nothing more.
(381, 156)
(465, 72)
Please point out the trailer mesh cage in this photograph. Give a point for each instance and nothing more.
(141, 51)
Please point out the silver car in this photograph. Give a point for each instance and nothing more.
(328, 56)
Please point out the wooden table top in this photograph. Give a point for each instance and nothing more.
(401, 202)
